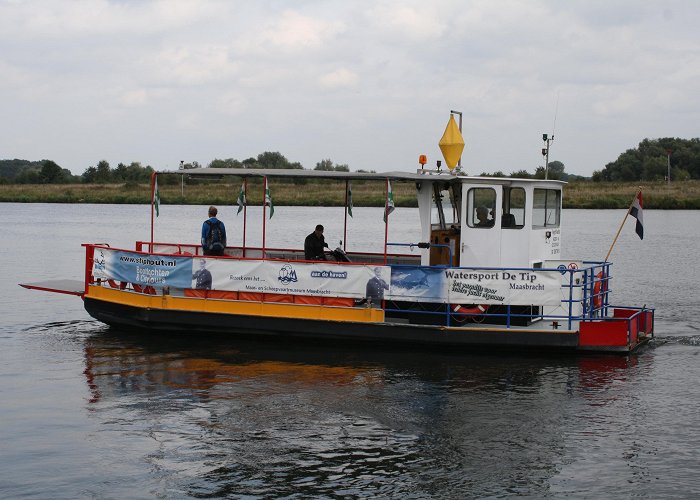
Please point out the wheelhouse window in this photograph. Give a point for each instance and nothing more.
(481, 206)
(546, 208)
(445, 209)
(513, 208)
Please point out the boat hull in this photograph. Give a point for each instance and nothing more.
(171, 320)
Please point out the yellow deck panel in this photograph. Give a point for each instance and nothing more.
(263, 309)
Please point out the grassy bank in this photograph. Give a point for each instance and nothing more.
(681, 195)
(657, 195)
(283, 193)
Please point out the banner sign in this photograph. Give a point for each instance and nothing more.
(399, 283)
(142, 269)
(314, 279)
(471, 286)
(512, 287)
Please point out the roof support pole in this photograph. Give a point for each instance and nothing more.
(345, 223)
(245, 210)
(264, 215)
(386, 216)
(153, 192)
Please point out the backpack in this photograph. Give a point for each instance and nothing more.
(215, 237)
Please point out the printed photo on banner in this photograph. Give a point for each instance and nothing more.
(201, 278)
(417, 284)
(376, 285)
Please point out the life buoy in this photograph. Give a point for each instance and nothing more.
(469, 312)
(474, 309)
(600, 288)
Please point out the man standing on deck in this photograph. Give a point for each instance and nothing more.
(314, 245)
(213, 234)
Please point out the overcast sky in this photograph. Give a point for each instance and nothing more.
(366, 83)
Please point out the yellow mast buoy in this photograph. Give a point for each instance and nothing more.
(452, 143)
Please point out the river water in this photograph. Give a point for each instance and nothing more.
(91, 412)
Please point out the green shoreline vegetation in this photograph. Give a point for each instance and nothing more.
(614, 186)
(583, 195)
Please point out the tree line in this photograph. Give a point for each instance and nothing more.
(555, 171)
(650, 161)
(647, 162)
(48, 172)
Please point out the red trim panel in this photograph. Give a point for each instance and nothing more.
(603, 333)
(68, 287)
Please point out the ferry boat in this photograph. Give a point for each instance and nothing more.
(486, 272)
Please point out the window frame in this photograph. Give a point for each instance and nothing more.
(471, 208)
(547, 208)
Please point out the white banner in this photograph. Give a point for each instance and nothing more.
(512, 287)
(473, 286)
(314, 279)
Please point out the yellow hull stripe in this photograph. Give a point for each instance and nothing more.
(240, 307)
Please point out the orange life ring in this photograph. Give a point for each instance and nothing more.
(475, 309)
(600, 288)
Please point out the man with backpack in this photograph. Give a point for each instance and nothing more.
(213, 234)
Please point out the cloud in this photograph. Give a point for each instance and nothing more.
(293, 31)
(341, 77)
(413, 22)
(195, 64)
(136, 97)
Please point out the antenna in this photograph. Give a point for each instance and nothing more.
(556, 110)
(549, 140)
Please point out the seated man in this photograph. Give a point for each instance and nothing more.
(482, 213)
(314, 245)
(508, 220)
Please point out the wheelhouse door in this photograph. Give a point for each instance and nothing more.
(481, 225)
(445, 224)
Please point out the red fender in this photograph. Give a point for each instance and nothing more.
(121, 285)
(144, 289)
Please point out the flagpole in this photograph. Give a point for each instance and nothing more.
(153, 192)
(386, 217)
(245, 208)
(623, 223)
(345, 223)
(264, 212)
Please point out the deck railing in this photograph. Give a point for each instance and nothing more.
(585, 294)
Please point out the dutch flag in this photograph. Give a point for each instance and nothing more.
(636, 212)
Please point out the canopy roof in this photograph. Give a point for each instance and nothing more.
(420, 175)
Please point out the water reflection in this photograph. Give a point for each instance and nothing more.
(264, 418)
